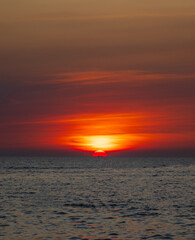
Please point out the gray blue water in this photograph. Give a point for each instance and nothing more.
(90, 198)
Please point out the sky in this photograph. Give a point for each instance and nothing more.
(77, 76)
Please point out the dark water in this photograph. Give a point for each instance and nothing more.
(89, 198)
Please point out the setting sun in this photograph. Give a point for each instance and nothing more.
(99, 153)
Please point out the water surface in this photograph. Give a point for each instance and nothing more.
(90, 198)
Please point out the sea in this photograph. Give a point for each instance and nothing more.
(87, 198)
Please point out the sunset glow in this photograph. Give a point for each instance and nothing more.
(100, 142)
(109, 132)
(107, 142)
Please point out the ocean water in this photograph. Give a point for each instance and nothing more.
(97, 198)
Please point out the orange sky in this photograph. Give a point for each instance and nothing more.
(89, 75)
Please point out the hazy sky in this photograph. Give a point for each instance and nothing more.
(89, 74)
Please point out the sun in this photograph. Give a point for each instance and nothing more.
(99, 153)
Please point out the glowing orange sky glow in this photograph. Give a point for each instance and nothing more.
(104, 142)
(107, 132)
(121, 131)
